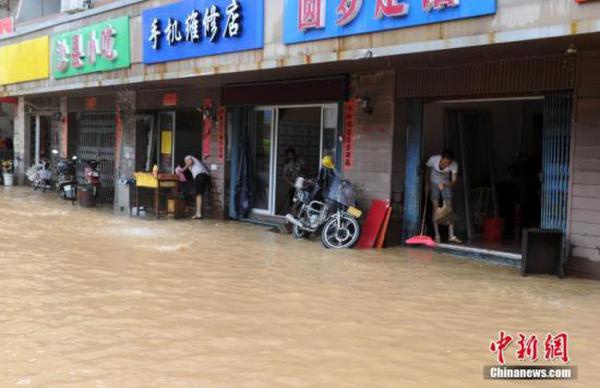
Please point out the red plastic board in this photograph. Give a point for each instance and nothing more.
(372, 226)
(384, 229)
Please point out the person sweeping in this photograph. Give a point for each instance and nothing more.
(443, 176)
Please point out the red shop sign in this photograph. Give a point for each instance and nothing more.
(169, 99)
(91, 103)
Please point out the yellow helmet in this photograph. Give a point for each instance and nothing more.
(327, 162)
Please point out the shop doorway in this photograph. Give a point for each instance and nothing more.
(311, 131)
(94, 137)
(40, 133)
(179, 134)
(498, 145)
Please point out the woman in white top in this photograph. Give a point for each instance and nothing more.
(201, 180)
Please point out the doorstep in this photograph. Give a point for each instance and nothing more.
(494, 256)
(278, 222)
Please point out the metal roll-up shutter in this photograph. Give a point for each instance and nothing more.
(96, 140)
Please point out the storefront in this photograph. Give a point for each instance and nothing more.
(266, 122)
(190, 120)
(7, 113)
(169, 126)
(92, 127)
(510, 130)
(16, 67)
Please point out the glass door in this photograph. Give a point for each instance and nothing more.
(311, 131)
(166, 139)
(329, 132)
(262, 140)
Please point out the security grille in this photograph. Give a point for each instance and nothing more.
(96, 140)
(556, 148)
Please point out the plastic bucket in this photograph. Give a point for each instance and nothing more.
(8, 179)
(493, 229)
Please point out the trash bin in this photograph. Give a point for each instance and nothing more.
(123, 200)
(542, 252)
(85, 197)
(493, 229)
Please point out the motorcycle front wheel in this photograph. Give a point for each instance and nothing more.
(340, 235)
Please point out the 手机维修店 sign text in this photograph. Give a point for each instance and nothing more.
(196, 28)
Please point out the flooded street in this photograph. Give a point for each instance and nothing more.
(89, 299)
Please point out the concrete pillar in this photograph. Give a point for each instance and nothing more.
(124, 145)
(64, 128)
(37, 138)
(216, 198)
(22, 142)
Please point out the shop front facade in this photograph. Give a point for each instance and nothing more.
(379, 86)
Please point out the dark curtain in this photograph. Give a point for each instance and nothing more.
(243, 191)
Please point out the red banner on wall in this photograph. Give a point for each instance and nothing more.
(350, 118)
(206, 135)
(118, 138)
(221, 134)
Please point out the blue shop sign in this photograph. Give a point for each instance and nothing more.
(196, 28)
(308, 20)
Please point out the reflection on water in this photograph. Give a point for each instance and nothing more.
(93, 300)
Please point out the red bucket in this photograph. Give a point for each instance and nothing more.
(493, 229)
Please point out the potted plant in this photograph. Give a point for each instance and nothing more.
(7, 172)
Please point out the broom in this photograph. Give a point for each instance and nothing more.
(422, 239)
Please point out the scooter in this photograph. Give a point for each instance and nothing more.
(334, 217)
(92, 177)
(66, 184)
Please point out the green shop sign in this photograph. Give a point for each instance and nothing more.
(99, 47)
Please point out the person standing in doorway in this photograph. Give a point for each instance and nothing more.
(201, 177)
(293, 169)
(443, 175)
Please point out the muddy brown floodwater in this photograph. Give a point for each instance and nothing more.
(89, 299)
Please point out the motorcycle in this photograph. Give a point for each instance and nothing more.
(66, 184)
(335, 216)
(92, 177)
(40, 176)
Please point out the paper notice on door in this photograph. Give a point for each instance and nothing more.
(330, 117)
(166, 142)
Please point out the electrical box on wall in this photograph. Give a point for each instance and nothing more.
(73, 6)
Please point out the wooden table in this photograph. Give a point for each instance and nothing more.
(168, 183)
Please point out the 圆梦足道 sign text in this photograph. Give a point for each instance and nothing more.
(308, 20)
(196, 28)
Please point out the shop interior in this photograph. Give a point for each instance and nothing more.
(6, 130)
(166, 138)
(498, 146)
